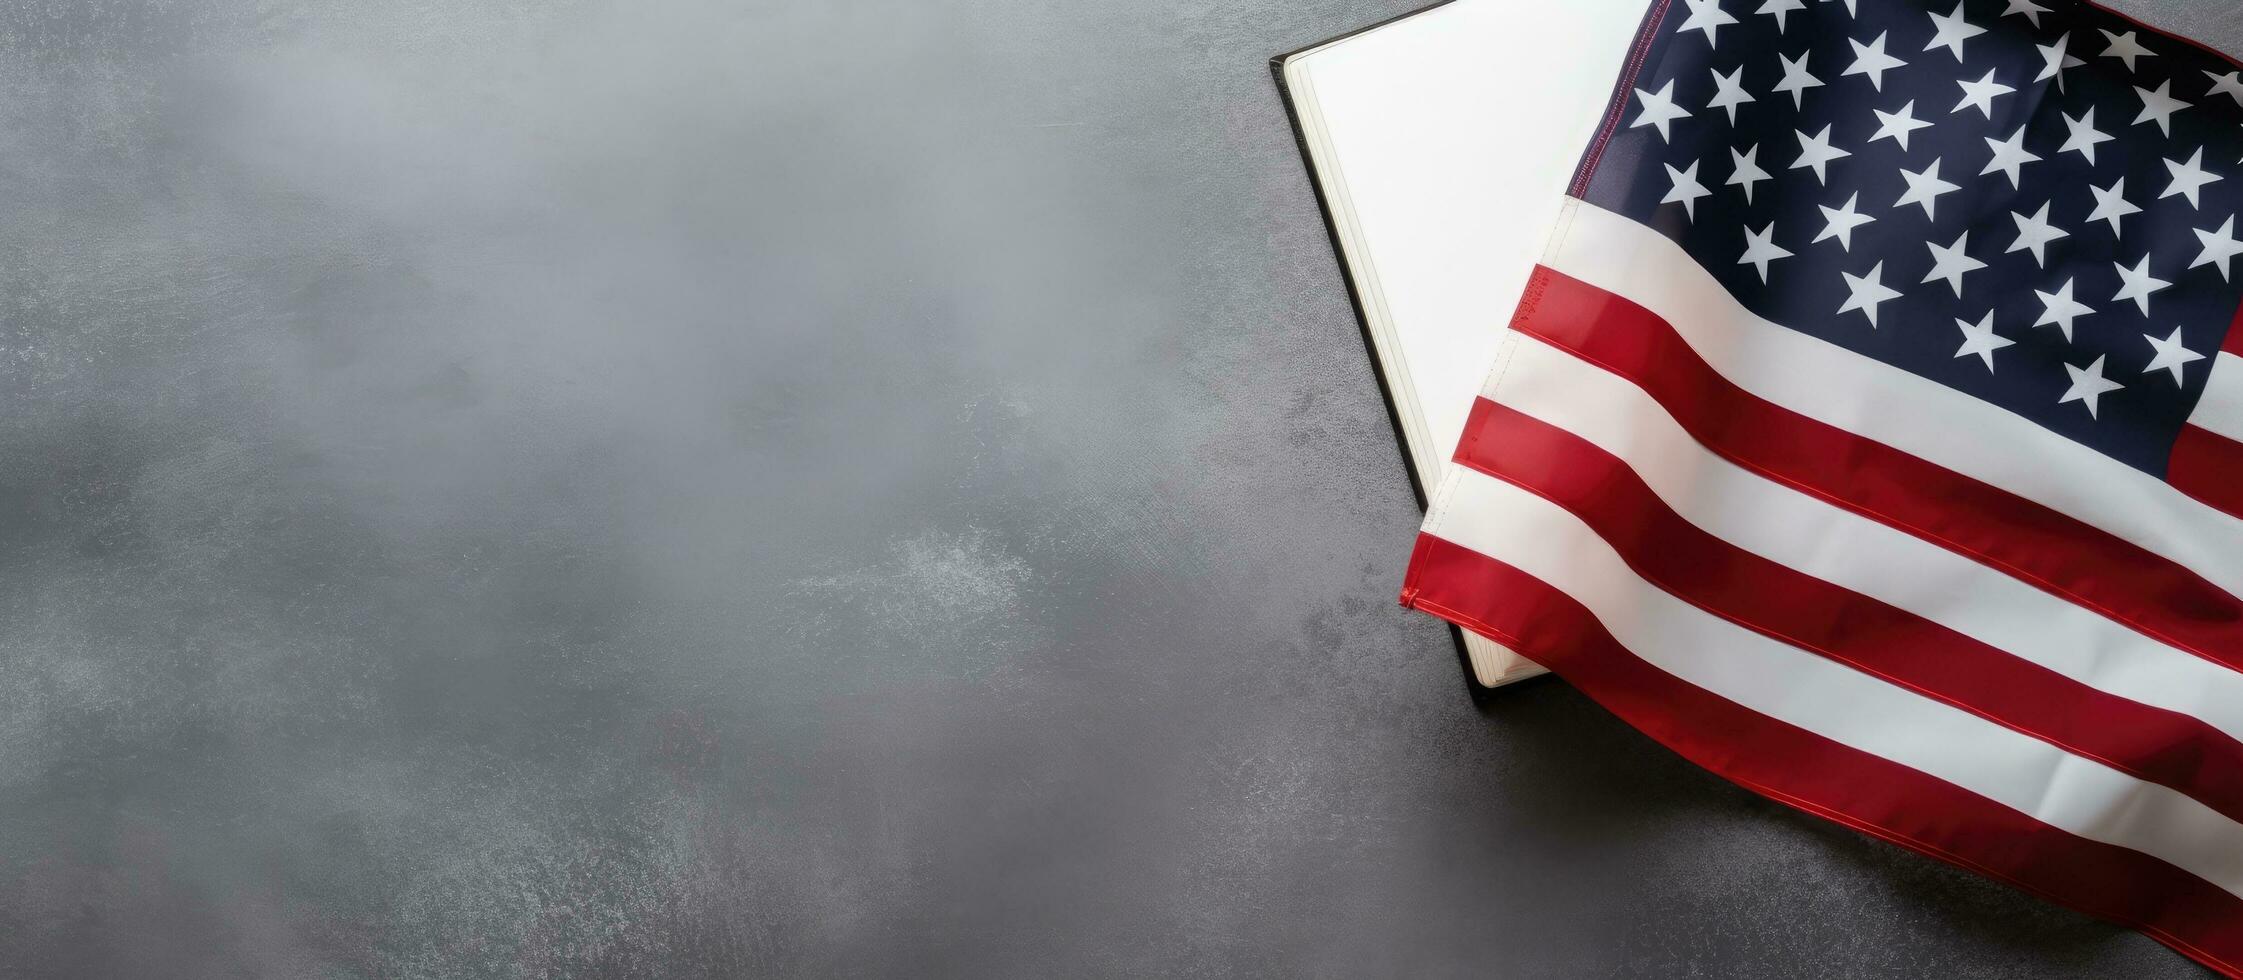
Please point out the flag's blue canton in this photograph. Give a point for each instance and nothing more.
(2117, 366)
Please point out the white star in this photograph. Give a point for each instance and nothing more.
(2058, 59)
(1980, 339)
(1729, 92)
(1896, 126)
(1796, 80)
(1950, 263)
(1707, 16)
(1685, 190)
(1658, 109)
(1981, 94)
(1747, 171)
(2084, 136)
(2058, 309)
(1871, 60)
(2230, 85)
(2172, 356)
(1761, 249)
(2034, 233)
(2219, 246)
(2124, 47)
(1839, 223)
(1865, 292)
(2010, 156)
(2188, 178)
(1780, 8)
(2111, 204)
(1924, 188)
(1815, 151)
(1951, 31)
(2138, 283)
(2031, 10)
(1850, 11)
(2088, 385)
(2159, 106)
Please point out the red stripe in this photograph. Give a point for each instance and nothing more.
(2154, 744)
(2233, 342)
(2209, 467)
(1797, 767)
(2061, 554)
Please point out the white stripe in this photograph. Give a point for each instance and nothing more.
(1923, 418)
(1843, 548)
(2065, 791)
(2221, 408)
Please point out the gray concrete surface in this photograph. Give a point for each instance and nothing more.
(683, 488)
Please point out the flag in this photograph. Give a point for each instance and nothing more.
(1871, 433)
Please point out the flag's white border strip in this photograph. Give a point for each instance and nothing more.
(2221, 409)
(2055, 787)
(1846, 549)
(1870, 398)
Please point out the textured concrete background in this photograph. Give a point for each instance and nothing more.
(726, 488)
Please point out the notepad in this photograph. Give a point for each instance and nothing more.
(1441, 144)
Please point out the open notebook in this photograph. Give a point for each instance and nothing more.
(1441, 144)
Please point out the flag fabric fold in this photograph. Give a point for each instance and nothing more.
(1871, 433)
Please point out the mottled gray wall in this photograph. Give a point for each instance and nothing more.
(688, 488)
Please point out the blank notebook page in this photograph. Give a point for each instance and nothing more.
(1445, 142)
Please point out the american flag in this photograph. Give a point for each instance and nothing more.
(1871, 433)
